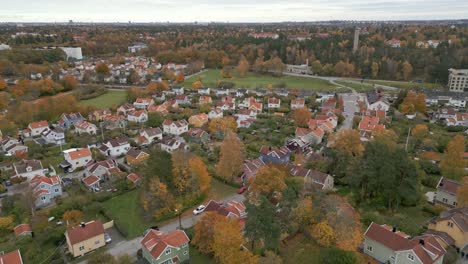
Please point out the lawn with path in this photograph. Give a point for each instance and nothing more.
(210, 78)
(107, 100)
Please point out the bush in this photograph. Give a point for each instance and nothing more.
(430, 181)
(434, 210)
(335, 255)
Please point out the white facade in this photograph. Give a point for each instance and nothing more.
(379, 105)
(77, 158)
(176, 128)
(73, 52)
(458, 80)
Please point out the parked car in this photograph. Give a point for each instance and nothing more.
(242, 189)
(199, 210)
(107, 238)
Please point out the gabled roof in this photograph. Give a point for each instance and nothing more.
(152, 131)
(22, 228)
(13, 257)
(39, 124)
(448, 185)
(84, 125)
(117, 142)
(21, 166)
(90, 180)
(78, 153)
(178, 123)
(133, 177)
(459, 216)
(38, 179)
(135, 153)
(157, 241)
(280, 153)
(232, 209)
(82, 233)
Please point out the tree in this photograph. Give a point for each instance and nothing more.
(375, 69)
(303, 213)
(316, 67)
(271, 258)
(232, 156)
(268, 182)
(462, 193)
(6, 223)
(204, 231)
(221, 126)
(180, 78)
(348, 142)
(420, 131)
(453, 164)
(73, 217)
(197, 85)
(227, 242)
(3, 85)
(301, 117)
(407, 70)
(180, 172)
(334, 255)
(69, 82)
(413, 102)
(199, 171)
(323, 234)
(151, 88)
(243, 67)
(4, 100)
(102, 69)
(133, 93)
(262, 224)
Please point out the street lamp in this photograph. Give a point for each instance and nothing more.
(180, 221)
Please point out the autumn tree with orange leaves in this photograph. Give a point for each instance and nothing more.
(269, 182)
(413, 102)
(232, 156)
(323, 234)
(243, 67)
(180, 78)
(69, 82)
(200, 172)
(204, 231)
(73, 217)
(348, 142)
(453, 164)
(197, 85)
(301, 117)
(462, 193)
(221, 126)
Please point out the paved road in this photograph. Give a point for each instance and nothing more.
(130, 247)
(350, 107)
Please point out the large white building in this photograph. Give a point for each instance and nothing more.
(73, 52)
(458, 80)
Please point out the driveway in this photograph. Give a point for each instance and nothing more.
(130, 247)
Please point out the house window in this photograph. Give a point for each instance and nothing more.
(169, 261)
(185, 252)
(56, 190)
(411, 257)
(454, 203)
(43, 198)
(369, 248)
(184, 245)
(444, 200)
(96, 242)
(81, 248)
(168, 251)
(450, 224)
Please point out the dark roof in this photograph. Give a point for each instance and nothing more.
(449, 186)
(21, 167)
(458, 215)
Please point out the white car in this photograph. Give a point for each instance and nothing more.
(199, 210)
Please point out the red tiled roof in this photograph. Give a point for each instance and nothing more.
(13, 257)
(90, 180)
(79, 153)
(39, 124)
(90, 230)
(156, 241)
(133, 177)
(22, 228)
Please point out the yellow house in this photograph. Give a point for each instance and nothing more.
(136, 156)
(85, 238)
(198, 120)
(453, 223)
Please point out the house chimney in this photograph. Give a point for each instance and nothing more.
(421, 242)
(83, 224)
(394, 229)
(269, 148)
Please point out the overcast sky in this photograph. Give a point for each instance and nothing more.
(228, 10)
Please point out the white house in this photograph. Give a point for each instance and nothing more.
(151, 134)
(115, 147)
(297, 103)
(375, 100)
(102, 169)
(175, 128)
(45, 189)
(84, 127)
(28, 169)
(205, 91)
(220, 92)
(274, 103)
(138, 116)
(53, 136)
(178, 90)
(215, 113)
(76, 158)
(170, 144)
(143, 103)
(36, 128)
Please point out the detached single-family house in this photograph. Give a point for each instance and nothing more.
(149, 135)
(99, 115)
(68, 120)
(222, 91)
(171, 144)
(85, 238)
(233, 209)
(175, 128)
(114, 121)
(447, 192)
(13, 257)
(165, 248)
(91, 182)
(136, 156)
(250, 168)
(215, 113)
(143, 103)
(313, 179)
(54, 135)
(21, 230)
(387, 245)
(452, 226)
(36, 128)
(125, 108)
(182, 99)
(274, 155)
(375, 100)
(274, 103)
(13, 146)
(205, 91)
(28, 169)
(137, 116)
(134, 179)
(102, 169)
(198, 120)
(297, 103)
(45, 189)
(198, 135)
(85, 127)
(115, 147)
(178, 90)
(205, 100)
(76, 158)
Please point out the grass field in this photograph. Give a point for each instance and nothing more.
(125, 208)
(107, 100)
(196, 257)
(211, 77)
(405, 85)
(357, 87)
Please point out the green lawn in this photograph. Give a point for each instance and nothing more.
(220, 190)
(355, 86)
(252, 80)
(125, 210)
(405, 85)
(107, 100)
(196, 257)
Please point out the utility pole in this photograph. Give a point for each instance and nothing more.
(407, 139)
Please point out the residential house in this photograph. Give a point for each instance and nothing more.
(257, 107)
(76, 158)
(297, 103)
(138, 116)
(36, 128)
(91, 182)
(222, 92)
(68, 120)
(313, 179)
(171, 144)
(149, 135)
(12, 146)
(282, 92)
(225, 106)
(178, 90)
(454, 224)
(13, 257)
(85, 238)
(114, 122)
(160, 97)
(143, 103)
(250, 168)
(99, 115)
(394, 43)
(310, 136)
(102, 169)
(198, 135)
(204, 90)
(375, 100)
(45, 189)
(134, 179)
(205, 100)
(85, 127)
(165, 248)
(198, 120)
(175, 128)
(22, 230)
(232, 210)
(447, 192)
(182, 99)
(387, 245)
(274, 155)
(136, 156)
(461, 119)
(54, 136)
(115, 147)
(247, 102)
(125, 108)
(274, 103)
(241, 92)
(215, 113)
(445, 113)
(28, 169)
